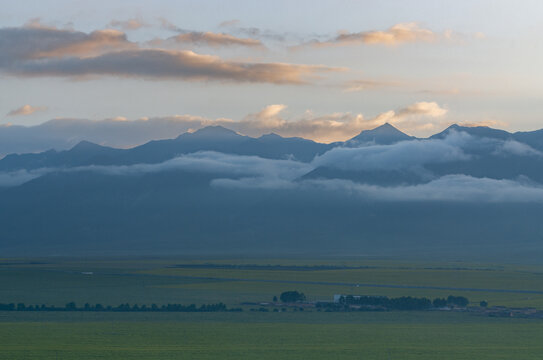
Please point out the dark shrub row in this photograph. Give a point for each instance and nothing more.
(121, 308)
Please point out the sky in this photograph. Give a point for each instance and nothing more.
(323, 70)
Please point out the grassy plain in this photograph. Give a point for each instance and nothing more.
(255, 335)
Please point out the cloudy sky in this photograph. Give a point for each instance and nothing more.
(319, 69)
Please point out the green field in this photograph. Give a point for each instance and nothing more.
(256, 335)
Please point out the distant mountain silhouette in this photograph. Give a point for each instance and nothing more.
(82, 154)
(480, 131)
(485, 158)
(532, 138)
(385, 134)
(212, 138)
(484, 161)
(182, 211)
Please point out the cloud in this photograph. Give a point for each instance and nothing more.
(95, 43)
(122, 132)
(441, 92)
(518, 148)
(422, 108)
(16, 178)
(26, 110)
(206, 38)
(167, 25)
(251, 172)
(235, 166)
(228, 23)
(450, 188)
(36, 23)
(324, 128)
(258, 33)
(363, 85)
(488, 123)
(130, 24)
(54, 52)
(398, 34)
(215, 39)
(19, 46)
(411, 154)
(170, 64)
(119, 118)
(336, 126)
(418, 117)
(213, 162)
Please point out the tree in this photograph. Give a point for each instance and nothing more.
(292, 296)
(438, 303)
(459, 301)
(275, 299)
(483, 303)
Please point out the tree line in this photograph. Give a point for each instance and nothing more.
(71, 306)
(400, 303)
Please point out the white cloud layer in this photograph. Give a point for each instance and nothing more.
(251, 172)
(403, 155)
(451, 188)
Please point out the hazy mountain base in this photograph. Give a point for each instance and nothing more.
(179, 212)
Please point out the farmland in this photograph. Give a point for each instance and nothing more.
(266, 335)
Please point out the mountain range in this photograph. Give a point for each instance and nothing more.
(465, 192)
(220, 139)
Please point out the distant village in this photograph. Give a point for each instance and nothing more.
(341, 302)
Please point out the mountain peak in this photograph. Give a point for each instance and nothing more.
(383, 135)
(480, 131)
(85, 145)
(271, 136)
(385, 126)
(214, 131)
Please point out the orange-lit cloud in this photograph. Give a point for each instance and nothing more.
(336, 126)
(130, 24)
(363, 85)
(206, 38)
(488, 123)
(19, 45)
(395, 35)
(422, 108)
(229, 23)
(97, 42)
(26, 110)
(108, 52)
(170, 64)
(215, 39)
